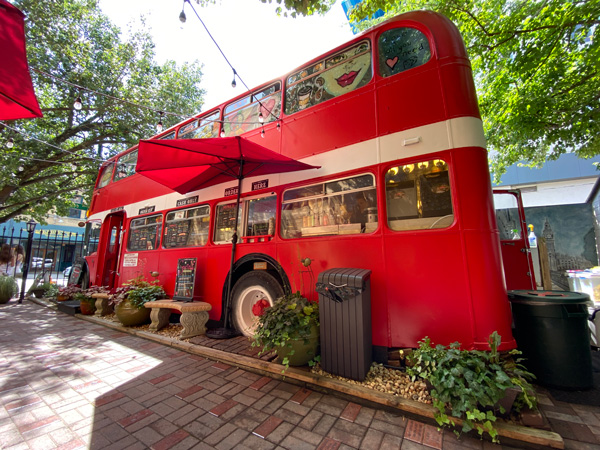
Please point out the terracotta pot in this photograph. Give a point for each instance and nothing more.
(130, 316)
(87, 308)
(62, 298)
(303, 351)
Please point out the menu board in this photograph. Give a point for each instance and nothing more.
(184, 281)
(176, 234)
(143, 238)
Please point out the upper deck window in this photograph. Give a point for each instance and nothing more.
(126, 165)
(243, 115)
(206, 127)
(106, 174)
(331, 77)
(171, 135)
(402, 49)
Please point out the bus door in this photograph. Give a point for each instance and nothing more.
(109, 250)
(516, 256)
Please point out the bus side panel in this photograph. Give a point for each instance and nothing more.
(409, 100)
(355, 251)
(458, 88)
(147, 261)
(427, 288)
(340, 122)
(169, 259)
(474, 203)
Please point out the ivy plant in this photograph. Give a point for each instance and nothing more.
(468, 384)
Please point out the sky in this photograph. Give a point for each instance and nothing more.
(259, 44)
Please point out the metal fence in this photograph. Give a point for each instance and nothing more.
(52, 251)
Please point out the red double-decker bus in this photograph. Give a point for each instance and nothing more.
(403, 190)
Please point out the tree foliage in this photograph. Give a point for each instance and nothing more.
(70, 45)
(302, 7)
(536, 69)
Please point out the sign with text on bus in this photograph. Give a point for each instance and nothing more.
(261, 184)
(187, 201)
(185, 279)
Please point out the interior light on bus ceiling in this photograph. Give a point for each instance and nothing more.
(423, 165)
(394, 171)
(408, 168)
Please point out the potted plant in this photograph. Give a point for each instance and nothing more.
(67, 292)
(129, 299)
(43, 290)
(8, 288)
(472, 384)
(290, 327)
(87, 303)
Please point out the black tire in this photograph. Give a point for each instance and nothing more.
(250, 288)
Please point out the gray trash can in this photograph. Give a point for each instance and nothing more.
(345, 315)
(551, 329)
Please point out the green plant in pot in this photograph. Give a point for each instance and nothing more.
(87, 303)
(290, 327)
(46, 289)
(66, 293)
(129, 299)
(8, 288)
(471, 384)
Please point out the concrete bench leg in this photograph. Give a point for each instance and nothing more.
(194, 324)
(160, 318)
(102, 307)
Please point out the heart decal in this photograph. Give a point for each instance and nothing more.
(391, 62)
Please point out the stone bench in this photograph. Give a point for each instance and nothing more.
(102, 306)
(194, 316)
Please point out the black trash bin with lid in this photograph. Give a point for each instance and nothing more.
(345, 316)
(551, 329)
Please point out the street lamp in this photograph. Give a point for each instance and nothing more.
(30, 229)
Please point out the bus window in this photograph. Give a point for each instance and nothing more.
(346, 206)
(418, 196)
(106, 174)
(243, 114)
(225, 219)
(144, 233)
(261, 216)
(206, 127)
(402, 49)
(329, 78)
(171, 135)
(126, 165)
(186, 228)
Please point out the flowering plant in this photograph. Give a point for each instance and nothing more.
(138, 291)
(258, 309)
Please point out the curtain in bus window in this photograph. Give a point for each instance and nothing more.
(347, 206)
(402, 49)
(144, 233)
(126, 165)
(106, 175)
(418, 196)
(329, 78)
(206, 127)
(243, 115)
(186, 228)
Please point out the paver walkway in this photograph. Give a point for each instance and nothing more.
(67, 384)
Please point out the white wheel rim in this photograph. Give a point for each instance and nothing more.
(246, 319)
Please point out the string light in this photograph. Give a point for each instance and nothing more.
(278, 126)
(182, 17)
(222, 132)
(10, 143)
(261, 119)
(262, 133)
(78, 104)
(233, 83)
(159, 125)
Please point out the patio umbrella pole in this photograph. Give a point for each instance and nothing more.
(226, 332)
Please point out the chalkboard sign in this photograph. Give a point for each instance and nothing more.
(185, 278)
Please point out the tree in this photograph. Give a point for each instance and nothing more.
(303, 7)
(72, 45)
(536, 69)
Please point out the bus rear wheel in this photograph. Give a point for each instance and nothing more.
(249, 289)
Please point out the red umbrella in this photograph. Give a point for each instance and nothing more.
(17, 98)
(186, 165)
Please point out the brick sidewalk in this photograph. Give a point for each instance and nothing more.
(67, 384)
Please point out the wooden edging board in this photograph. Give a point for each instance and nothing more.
(532, 436)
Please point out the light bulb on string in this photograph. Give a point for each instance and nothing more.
(21, 169)
(222, 132)
(233, 83)
(182, 17)
(261, 119)
(278, 126)
(10, 143)
(262, 133)
(78, 104)
(159, 125)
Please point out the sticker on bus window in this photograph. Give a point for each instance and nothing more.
(130, 260)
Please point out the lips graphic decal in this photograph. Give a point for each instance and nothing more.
(347, 78)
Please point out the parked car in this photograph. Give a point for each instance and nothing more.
(38, 263)
(67, 271)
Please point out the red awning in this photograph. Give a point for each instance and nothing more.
(17, 97)
(186, 165)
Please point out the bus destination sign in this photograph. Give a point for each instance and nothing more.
(231, 191)
(262, 184)
(147, 209)
(187, 201)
